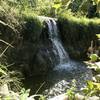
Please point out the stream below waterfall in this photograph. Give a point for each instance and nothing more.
(57, 80)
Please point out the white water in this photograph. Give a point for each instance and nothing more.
(64, 62)
(57, 45)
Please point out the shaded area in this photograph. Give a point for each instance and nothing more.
(58, 81)
(77, 34)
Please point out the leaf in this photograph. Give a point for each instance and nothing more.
(90, 85)
(56, 6)
(24, 94)
(3, 72)
(42, 97)
(98, 35)
(93, 57)
(8, 97)
(85, 90)
(96, 1)
(22, 91)
(13, 1)
(3, 67)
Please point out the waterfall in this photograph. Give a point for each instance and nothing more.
(64, 69)
(58, 48)
(60, 58)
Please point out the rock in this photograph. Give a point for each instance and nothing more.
(79, 97)
(97, 77)
(98, 64)
(4, 90)
(30, 53)
(14, 95)
(94, 98)
(60, 97)
(77, 35)
(65, 97)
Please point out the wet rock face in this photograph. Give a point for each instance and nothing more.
(41, 63)
(29, 54)
(35, 52)
(44, 58)
(77, 37)
(32, 53)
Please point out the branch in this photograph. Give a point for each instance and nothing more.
(6, 43)
(4, 24)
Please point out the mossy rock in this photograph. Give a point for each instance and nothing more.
(78, 33)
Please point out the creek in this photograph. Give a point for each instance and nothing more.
(58, 80)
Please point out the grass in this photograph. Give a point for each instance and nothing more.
(80, 20)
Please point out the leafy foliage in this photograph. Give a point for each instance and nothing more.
(24, 94)
(93, 57)
(92, 89)
(71, 91)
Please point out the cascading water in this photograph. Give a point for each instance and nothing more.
(61, 56)
(58, 48)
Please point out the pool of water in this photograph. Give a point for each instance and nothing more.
(58, 80)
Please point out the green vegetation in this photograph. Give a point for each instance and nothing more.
(79, 20)
(71, 91)
(50, 8)
(21, 29)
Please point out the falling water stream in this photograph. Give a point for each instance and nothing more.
(65, 70)
(57, 46)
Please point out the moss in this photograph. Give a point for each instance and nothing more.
(81, 20)
(31, 28)
(78, 32)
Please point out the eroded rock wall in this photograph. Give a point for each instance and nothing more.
(29, 51)
(77, 34)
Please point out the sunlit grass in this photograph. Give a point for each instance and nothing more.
(79, 20)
